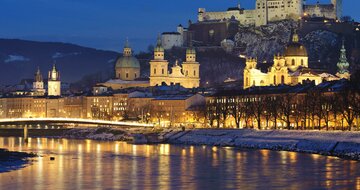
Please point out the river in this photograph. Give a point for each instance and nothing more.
(87, 164)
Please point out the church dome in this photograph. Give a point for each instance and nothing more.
(127, 62)
(295, 48)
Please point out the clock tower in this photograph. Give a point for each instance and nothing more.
(54, 83)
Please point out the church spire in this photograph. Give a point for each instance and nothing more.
(343, 64)
(38, 76)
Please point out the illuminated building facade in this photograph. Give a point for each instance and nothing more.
(187, 75)
(292, 68)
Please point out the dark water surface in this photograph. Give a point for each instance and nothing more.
(86, 164)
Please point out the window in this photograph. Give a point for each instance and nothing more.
(135, 75)
(127, 75)
(187, 73)
(247, 81)
(194, 73)
(302, 62)
(274, 80)
(154, 71)
(162, 71)
(293, 61)
(282, 79)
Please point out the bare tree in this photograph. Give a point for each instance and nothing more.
(258, 107)
(237, 111)
(286, 109)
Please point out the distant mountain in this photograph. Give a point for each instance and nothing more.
(19, 59)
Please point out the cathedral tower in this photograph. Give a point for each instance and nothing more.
(158, 66)
(54, 83)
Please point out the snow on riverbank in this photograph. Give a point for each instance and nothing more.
(335, 143)
(342, 144)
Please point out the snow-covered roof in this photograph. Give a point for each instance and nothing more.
(119, 81)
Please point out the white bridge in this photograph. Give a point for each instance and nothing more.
(29, 121)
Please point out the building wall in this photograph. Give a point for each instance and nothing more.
(54, 88)
(127, 73)
(170, 40)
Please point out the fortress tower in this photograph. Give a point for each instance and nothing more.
(338, 7)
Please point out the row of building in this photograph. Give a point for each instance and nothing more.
(160, 109)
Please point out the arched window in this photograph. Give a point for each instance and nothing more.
(262, 82)
(119, 75)
(135, 75)
(155, 71)
(302, 62)
(254, 83)
(127, 75)
(194, 73)
(293, 61)
(282, 79)
(274, 80)
(187, 73)
(162, 71)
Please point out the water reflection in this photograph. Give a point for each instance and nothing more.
(86, 164)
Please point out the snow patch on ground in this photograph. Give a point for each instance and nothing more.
(14, 58)
(59, 55)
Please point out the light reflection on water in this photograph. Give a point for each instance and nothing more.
(86, 164)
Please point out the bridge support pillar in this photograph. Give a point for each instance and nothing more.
(26, 130)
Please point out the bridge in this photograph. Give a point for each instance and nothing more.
(35, 121)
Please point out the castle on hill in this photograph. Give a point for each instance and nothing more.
(274, 10)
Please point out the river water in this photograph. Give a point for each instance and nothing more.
(86, 164)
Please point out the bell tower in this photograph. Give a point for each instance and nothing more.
(191, 68)
(54, 83)
(38, 84)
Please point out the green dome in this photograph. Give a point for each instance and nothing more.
(127, 62)
(159, 49)
(190, 50)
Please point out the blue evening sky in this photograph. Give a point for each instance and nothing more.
(105, 24)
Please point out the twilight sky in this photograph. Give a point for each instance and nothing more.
(105, 24)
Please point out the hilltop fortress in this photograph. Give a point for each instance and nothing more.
(274, 10)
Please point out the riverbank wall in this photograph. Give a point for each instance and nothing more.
(340, 144)
(32, 132)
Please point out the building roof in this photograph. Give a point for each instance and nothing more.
(119, 81)
(171, 33)
(327, 86)
(174, 97)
